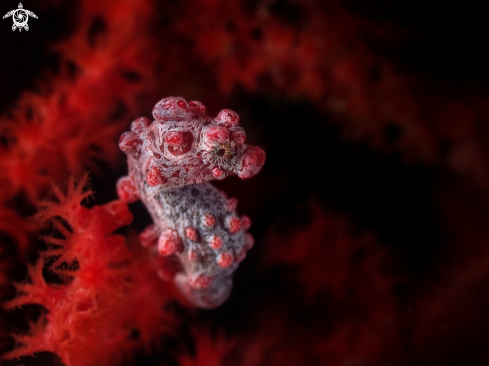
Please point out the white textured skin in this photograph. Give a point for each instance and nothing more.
(183, 197)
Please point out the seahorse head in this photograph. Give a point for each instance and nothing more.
(185, 146)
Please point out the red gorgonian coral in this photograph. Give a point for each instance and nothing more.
(101, 282)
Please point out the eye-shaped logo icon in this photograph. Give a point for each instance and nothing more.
(20, 17)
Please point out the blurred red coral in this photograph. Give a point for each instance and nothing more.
(448, 318)
(325, 256)
(347, 274)
(450, 313)
(209, 350)
(74, 123)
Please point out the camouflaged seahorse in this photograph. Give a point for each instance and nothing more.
(198, 238)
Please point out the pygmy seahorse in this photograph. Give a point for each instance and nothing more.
(196, 237)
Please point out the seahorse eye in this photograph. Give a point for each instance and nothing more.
(221, 152)
(225, 150)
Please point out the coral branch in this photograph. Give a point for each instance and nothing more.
(107, 291)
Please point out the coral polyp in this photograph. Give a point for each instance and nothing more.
(171, 161)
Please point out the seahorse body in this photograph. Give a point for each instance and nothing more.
(197, 237)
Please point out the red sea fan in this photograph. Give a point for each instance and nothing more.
(338, 273)
(278, 337)
(450, 313)
(449, 309)
(74, 119)
(74, 122)
(325, 256)
(209, 350)
(104, 294)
